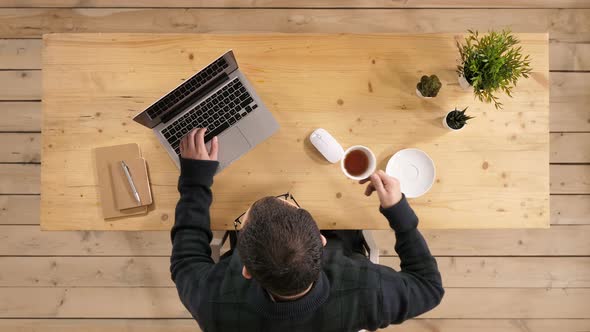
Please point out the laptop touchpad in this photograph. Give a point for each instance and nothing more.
(232, 145)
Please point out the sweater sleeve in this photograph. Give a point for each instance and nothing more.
(191, 235)
(417, 288)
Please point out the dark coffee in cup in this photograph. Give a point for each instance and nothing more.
(356, 162)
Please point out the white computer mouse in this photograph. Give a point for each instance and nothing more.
(327, 145)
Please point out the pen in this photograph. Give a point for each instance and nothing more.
(130, 180)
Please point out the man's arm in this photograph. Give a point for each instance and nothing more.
(417, 288)
(191, 235)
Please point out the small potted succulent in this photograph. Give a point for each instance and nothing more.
(456, 119)
(491, 63)
(428, 86)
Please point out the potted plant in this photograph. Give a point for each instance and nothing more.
(491, 63)
(428, 86)
(456, 119)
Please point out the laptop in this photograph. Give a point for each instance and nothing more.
(218, 97)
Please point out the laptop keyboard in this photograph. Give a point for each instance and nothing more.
(192, 84)
(216, 113)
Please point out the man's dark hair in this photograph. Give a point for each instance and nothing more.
(281, 247)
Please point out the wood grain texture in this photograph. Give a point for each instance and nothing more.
(300, 3)
(495, 272)
(19, 209)
(570, 179)
(189, 325)
(512, 303)
(26, 54)
(570, 209)
(570, 148)
(562, 24)
(569, 56)
(137, 302)
(497, 242)
(565, 209)
(20, 85)
(555, 241)
(85, 272)
(504, 272)
(119, 325)
(572, 104)
(31, 241)
(20, 53)
(20, 178)
(20, 116)
(568, 111)
(105, 84)
(488, 325)
(569, 102)
(164, 303)
(20, 148)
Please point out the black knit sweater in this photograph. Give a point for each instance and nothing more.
(351, 294)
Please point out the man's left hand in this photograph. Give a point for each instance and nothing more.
(192, 146)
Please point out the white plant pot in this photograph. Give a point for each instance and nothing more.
(464, 84)
(444, 120)
(419, 94)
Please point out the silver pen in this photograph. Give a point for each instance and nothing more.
(130, 180)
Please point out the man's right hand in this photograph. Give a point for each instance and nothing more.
(387, 188)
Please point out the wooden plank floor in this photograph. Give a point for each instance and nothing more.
(496, 280)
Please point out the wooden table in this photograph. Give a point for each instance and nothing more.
(361, 88)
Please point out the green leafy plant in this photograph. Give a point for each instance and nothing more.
(492, 63)
(429, 86)
(456, 119)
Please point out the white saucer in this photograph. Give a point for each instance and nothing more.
(414, 169)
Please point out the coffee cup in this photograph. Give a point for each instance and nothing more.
(358, 162)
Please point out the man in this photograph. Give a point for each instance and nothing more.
(284, 274)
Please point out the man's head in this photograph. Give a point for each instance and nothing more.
(280, 246)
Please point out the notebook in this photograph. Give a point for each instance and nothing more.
(116, 197)
(124, 198)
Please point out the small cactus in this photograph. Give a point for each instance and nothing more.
(429, 86)
(457, 119)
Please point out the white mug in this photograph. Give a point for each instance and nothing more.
(372, 162)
